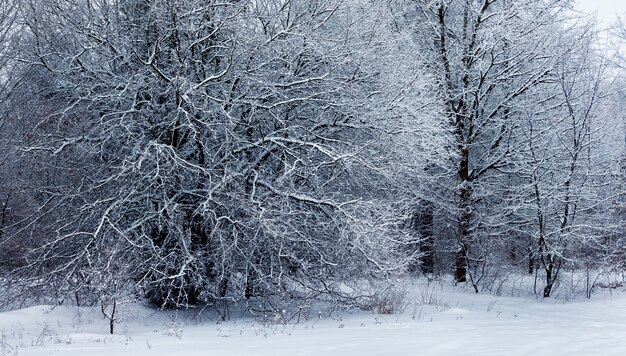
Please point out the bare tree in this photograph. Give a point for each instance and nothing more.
(211, 151)
(489, 55)
(570, 165)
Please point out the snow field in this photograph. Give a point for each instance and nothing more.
(438, 320)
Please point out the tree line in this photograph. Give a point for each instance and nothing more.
(215, 152)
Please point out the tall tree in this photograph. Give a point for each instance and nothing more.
(218, 149)
(488, 55)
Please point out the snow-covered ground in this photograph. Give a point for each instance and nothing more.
(438, 320)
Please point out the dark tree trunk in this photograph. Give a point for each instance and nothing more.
(249, 290)
(549, 280)
(428, 260)
(112, 318)
(460, 272)
(465, 217)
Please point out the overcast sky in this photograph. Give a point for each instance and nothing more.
(607, 10)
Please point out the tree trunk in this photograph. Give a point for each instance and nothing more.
(465, 205)
(549, 278)
(112, 318)
(460, 273)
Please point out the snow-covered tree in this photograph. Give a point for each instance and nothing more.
(217, 151)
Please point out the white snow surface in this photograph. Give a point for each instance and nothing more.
(438, 320)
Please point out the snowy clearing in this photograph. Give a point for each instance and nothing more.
(443, 322)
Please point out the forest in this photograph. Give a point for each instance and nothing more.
(193, 153)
